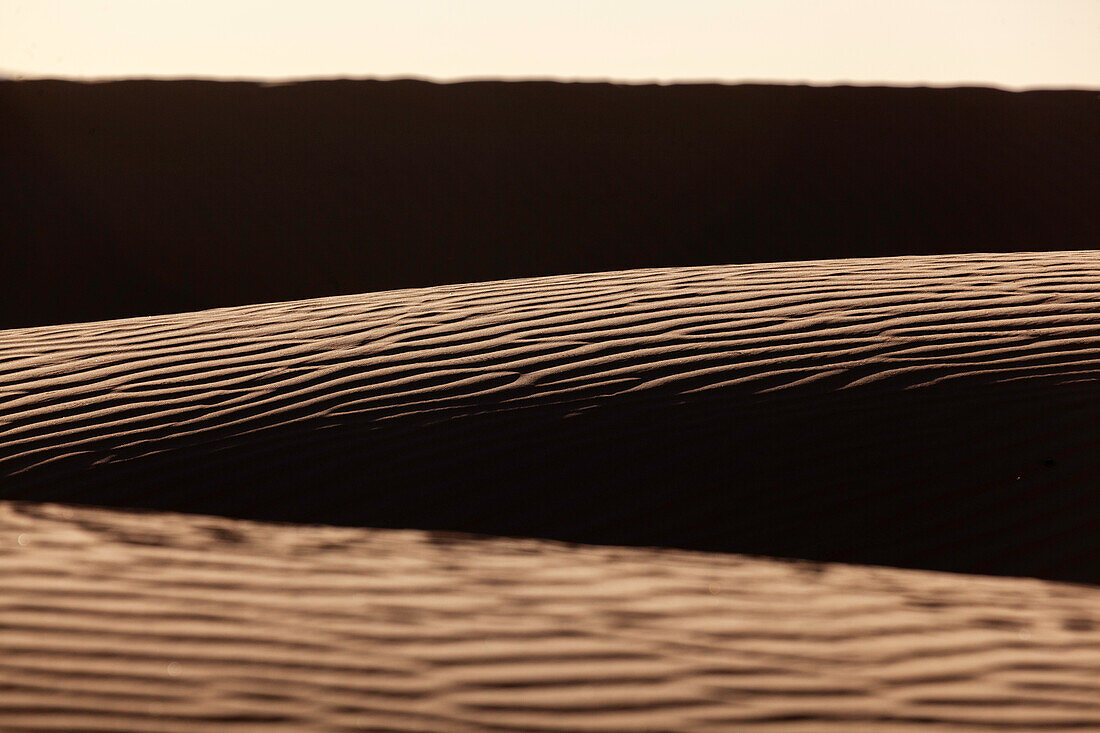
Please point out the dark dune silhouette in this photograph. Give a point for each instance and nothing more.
(142, 197)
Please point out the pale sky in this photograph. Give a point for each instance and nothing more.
(1007, 43)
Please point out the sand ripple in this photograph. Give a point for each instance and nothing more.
(935, 412)
(160, 622)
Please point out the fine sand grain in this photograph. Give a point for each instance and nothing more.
(113, 621)
(936, 412)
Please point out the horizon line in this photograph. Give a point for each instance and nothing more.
(6, 75)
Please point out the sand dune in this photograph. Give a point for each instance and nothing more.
(935, 412)
(140, 197)
(930, 408)
(113, 621)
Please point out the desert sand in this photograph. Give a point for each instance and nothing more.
(113, 621)
(936, 412)
(356, 405)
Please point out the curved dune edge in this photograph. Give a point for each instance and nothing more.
(160, 622)
(936, 412)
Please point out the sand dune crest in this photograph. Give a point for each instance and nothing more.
(935, 412)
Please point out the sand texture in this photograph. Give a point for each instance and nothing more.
(936, 412)
(114, 621)
(306, 479)
(146, 197)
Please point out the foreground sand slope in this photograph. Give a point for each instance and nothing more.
(113, 621)
(936, 412)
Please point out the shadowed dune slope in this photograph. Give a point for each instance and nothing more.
(141, 197)
(113, 621)
(936, 411)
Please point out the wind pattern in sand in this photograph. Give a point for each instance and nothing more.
(940, 411)
(113, 621)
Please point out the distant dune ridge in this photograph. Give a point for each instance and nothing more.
(934, 411)
(142, 197)
(159, 622)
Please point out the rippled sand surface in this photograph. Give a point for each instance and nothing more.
(163, 622)
(936, 412)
